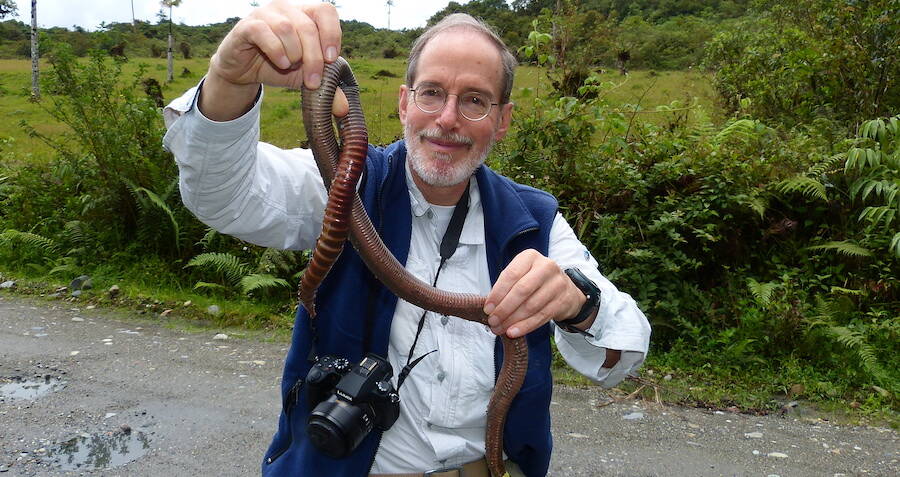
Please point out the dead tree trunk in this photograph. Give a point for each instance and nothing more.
(170, 54)
(35, 70)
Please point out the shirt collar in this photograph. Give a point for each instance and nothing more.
(473, 228)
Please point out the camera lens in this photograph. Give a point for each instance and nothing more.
(336, 427)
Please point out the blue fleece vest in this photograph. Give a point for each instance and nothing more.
(517, 218)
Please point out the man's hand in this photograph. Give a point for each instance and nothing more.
(282, 43)
(531, 291)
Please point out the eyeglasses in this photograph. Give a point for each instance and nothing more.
(474, 106)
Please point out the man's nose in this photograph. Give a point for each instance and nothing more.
(448, 117)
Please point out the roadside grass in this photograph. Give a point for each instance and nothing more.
(796, 391)
(146, 287)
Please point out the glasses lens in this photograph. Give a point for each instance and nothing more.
(430, 99)
(474, 106)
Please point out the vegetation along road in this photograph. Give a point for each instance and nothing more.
(89, 391)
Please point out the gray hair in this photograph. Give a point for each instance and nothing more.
(463, 21)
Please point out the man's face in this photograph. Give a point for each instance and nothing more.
(444, 148)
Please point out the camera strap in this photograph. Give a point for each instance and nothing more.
(448, 247)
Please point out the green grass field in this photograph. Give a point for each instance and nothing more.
(281, 123)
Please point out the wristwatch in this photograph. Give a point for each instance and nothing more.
(592, 304)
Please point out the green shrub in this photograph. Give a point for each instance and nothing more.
(726, 235)
(111, 171)
(802, 60)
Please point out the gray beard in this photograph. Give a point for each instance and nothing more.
(458, 173)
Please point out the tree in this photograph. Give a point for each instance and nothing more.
(7, 7)
(35, 71)
(169, 53)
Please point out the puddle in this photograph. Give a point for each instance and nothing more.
(30, 389)
(99, 451)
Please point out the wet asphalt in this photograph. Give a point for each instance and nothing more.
(100, 392)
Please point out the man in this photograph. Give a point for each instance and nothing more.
(513, 245)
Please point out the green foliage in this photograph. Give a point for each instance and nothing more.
(235, 273)
(33, 243)
(844, 247)
(727, 235)
(228, 266)
(762, 292)
(110, 171)
(31, 251)
(809, 59)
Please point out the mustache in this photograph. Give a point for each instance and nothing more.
(435, 133)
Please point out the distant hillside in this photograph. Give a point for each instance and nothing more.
(658, 34)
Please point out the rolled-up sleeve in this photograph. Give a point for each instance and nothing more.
(620, 324)
(242, 187)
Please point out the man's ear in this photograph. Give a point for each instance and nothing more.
(505, 121)
(403, 102)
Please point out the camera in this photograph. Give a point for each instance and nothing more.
(348, 402)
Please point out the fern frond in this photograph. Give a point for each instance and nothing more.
(208, 237)
(261, 281)
(77, 233)
(279, 262)
(755, 203)
(226, 264)
(843, 247)
(208, 286)
(828, 165)
(808, 186)
(895, 245)
(742, 128)
(762, 292)
(847, 291)
(34, 242)
(856, 342)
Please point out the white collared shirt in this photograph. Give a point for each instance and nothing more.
(275, 198)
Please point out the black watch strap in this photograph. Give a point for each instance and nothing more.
(591, 304)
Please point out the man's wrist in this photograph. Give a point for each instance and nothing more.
(585, 316)
(221, 100)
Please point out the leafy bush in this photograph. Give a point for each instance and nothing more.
(111, 171)
(802, 60)
(724, 234)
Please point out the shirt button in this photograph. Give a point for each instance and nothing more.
(444, 320)
(430, 214)
(441, 376)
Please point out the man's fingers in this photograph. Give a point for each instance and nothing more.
(257, 32)
(509, 277)
(535, 309)
(312, 51)
(284, 26)
(326, 18)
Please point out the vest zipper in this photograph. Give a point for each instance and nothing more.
(379, 195)
(375, 453)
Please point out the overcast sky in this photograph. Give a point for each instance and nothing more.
(90, 13)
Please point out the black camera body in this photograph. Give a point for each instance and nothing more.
(348, 401)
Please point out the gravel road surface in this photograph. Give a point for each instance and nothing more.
(98, 392)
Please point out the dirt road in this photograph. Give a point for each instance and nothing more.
(92, 392)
